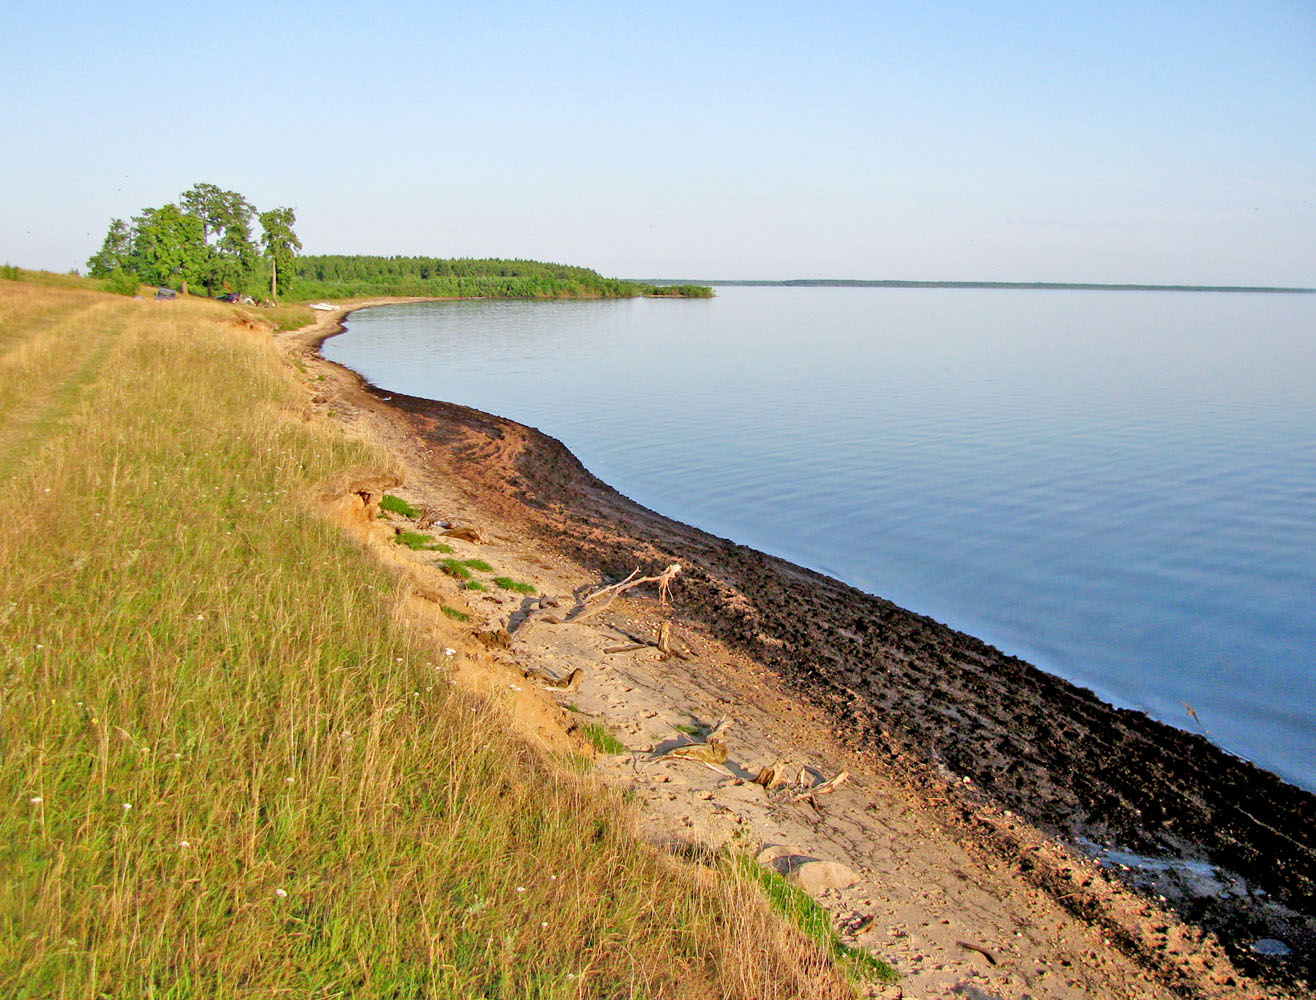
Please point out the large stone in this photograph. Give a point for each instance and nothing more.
(816, 877)
(811, 874)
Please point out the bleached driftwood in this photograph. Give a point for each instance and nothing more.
(772, 775)
(830, 785)
(711, 752)
(663, 644)
(663, 579)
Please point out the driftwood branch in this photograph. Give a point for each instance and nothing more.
(830, 785)
(663, 644)
(663, 579)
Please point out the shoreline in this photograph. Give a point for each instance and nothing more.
(1229, 845)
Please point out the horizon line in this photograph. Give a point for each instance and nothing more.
(904, 283)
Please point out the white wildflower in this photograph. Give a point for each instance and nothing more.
(36, 800)
(281, 893)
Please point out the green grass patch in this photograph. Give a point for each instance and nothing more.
(507, 583)
(421, 542)
(476, 585)
(454, 568)
(479, 564)
(802, 910)
(396, 505)
(601, 739)
(453, 613)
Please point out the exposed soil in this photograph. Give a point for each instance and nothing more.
(1008, 795)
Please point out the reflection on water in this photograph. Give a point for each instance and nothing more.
(1119, 487)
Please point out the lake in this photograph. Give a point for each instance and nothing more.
(1119, 487)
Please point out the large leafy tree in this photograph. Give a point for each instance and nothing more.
(281, 246)
(115, 253)
(169, 245)
(226, 219)
(204, 239)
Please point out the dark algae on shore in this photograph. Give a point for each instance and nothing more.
(1232, 847)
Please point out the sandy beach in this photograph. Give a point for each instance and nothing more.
(992, 830)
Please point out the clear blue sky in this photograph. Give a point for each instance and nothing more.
(1112, 141)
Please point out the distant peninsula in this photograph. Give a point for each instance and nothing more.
(1071, 286)
(356, 276)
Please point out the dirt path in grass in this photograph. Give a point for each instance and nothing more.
(950, 880)
(68, 355)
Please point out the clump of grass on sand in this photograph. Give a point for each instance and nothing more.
(230, 769)
(455, 569)
(507, 583)
(396, 505)
(422, 542)
(804, 912)
(601, 739)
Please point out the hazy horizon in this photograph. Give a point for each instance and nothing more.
(1095, 143)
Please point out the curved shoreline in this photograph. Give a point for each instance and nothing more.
(978, 724)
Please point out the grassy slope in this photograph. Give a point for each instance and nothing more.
(227, 771)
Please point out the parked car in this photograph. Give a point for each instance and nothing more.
(165, 293)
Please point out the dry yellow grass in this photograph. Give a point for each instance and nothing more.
(228, 771)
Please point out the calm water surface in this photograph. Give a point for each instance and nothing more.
(1118, 487)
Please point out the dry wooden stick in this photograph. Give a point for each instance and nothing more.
(663, 644)
(829, 785)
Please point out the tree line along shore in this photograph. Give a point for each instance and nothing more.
(206, 239)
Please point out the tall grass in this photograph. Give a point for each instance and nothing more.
(229, 772)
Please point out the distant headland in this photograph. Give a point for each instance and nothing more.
(1069, 286)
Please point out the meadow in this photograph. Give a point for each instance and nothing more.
(230, 769)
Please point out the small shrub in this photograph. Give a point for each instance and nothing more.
(479, 564)
(507, 583)
(396, 505)
(460, 616)
(603, 741)
(9, 272)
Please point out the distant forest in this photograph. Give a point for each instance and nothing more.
(324, 276)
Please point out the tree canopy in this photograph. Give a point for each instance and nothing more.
(203, 239)
(342, 276)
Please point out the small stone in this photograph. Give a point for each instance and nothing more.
(1271, 948)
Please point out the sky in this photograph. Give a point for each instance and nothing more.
(1124, 142)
